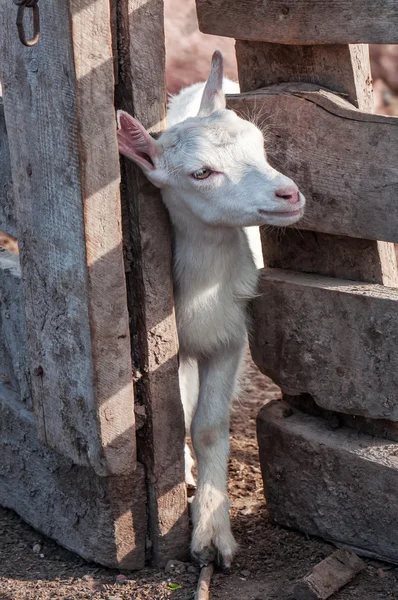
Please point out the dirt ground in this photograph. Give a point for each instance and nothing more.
(269, 562)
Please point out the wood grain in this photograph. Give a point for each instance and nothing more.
(103, 519)
(331, 338)
(301, 21)
(329, 483)
(147, 237)
(344, 160)
(7, 211)
(329, 576)
(325, 254)
(342, 68)
(58, 99)
(14, 366)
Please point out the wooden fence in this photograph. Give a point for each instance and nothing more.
(91, 424)
(86, 310)
(327, 319)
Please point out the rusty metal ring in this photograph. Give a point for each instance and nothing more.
(36, 21)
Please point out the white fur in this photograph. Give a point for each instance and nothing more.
(214, 270)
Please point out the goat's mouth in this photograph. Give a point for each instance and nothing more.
(284, 213)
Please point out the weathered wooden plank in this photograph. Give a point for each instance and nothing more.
(58, 99)
(331, 338)
(301, 21)
(332, 483)
(141, 92)
(343, 68)
(345, 161)
(329, 255)
(380, 428)
(7, 213)
(329, 576)
(14, 368)
(103, 519)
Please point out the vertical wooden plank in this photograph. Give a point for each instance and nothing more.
(58, 98)
(341, 68)
(103, 519)
(141, 91)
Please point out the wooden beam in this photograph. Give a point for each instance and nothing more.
(58, 99)
(344, 68)
(329, 255)
(7, 211)
(14, 367)
(103, 519)
(331, 338)
(147, 237)
(345, 161)
(329, 483)
(301, 21)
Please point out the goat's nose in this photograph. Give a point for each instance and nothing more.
(291, 194)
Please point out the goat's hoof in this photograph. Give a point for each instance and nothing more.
(211, 553)
(205, 556)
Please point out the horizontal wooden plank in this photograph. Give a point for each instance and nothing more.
(14, 366)
(345, 161)
(343, 68)
(60, 117)
(103, 519)
(333, 484)
(330, 255)
(333, 339)
(301, 21)
(7, 214)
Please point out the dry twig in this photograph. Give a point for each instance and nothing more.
(203, 589)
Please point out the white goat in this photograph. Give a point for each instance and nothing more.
(215, 180)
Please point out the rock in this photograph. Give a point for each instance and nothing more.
(36, 548)
(245, 573)
(193, 569)
(121, 579)
(175, 566)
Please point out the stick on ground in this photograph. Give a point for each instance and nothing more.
(203, 589)
(329, 576)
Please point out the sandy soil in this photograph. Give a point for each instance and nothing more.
(269, 562)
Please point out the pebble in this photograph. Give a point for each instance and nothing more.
(36, 548)
(121, 579)
(246, 573)
(193, 569)
(175, 566)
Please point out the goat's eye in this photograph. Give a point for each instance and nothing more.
(202, 173)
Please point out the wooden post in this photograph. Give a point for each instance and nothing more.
(58, 99)
(79, 482)
(141, 91)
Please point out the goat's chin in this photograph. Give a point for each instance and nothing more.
(282, 220)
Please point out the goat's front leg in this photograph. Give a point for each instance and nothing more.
(212, 537)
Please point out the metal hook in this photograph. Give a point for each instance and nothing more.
(22, 4)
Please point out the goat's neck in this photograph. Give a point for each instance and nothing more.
(210, 255)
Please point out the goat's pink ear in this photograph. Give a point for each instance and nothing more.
(213, 97)
(135, 142)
